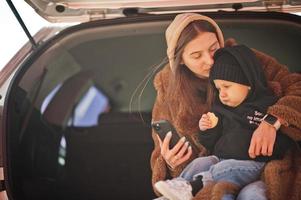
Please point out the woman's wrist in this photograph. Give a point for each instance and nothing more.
(163, 161)
(170, 167)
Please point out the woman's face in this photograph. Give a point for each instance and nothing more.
(198, 53)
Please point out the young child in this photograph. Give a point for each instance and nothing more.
(226, 131)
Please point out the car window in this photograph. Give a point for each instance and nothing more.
(89, 108)
(87, 111)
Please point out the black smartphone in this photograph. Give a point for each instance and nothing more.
(162, 127)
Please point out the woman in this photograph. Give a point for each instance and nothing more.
(182, 98)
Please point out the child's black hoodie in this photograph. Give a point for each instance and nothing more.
(231, 138)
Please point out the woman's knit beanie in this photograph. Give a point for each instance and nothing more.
(176, 27)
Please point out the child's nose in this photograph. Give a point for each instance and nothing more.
(222, 93)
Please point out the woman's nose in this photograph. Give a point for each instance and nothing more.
(208, 60)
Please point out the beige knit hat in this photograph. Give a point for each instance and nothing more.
(176, 27)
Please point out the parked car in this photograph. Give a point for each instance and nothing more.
(74, 122)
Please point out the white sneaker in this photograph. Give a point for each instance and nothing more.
(175, 189)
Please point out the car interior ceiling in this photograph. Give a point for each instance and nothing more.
(111, 158)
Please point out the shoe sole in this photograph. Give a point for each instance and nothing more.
(162, 187)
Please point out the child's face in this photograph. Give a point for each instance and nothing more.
(230, 93)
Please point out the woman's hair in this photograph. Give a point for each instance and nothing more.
(184, 86)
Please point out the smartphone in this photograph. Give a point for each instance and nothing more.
(162, 127)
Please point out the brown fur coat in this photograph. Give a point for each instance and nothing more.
(282, 177)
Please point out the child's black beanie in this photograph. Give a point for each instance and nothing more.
(226, 67)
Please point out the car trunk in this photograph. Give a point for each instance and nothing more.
(51, 154)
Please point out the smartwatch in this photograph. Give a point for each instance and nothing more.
(271, 120)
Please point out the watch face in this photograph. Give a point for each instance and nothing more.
(270, 119)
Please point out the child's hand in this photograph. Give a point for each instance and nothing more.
(208, 121)
(204, 122)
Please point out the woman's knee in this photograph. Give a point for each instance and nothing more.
(253, 191)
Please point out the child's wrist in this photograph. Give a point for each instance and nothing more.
(203, 129)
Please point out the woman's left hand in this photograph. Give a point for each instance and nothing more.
(263, 140)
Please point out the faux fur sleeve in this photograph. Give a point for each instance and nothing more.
(160, 170)
(288, 87)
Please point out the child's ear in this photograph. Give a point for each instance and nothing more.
(249, 88)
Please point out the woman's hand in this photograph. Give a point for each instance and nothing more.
(180, 153)
(205, 122)
(263, 140)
